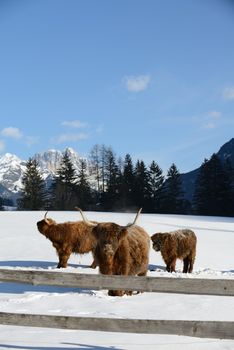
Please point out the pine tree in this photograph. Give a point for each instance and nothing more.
(213, 192)
(83, 187)
(229, 179)
(111, 195)
(33, 193)
(127, 184)
(66, 171)
(173, 202)
(64, 188)
(1, 204)
(202, 189)
(103, 161)
(141, 186)
(95, 159)
(156, 180)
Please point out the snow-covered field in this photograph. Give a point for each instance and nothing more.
(22, 246)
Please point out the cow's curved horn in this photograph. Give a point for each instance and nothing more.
(45, 218)
(89, 223)
(135, 220)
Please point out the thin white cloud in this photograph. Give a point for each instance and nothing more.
(74, 124)
(2, 145)
(228, 93)
(11, 132)
(209, 126)
(137, 83)
(31, 140)
(70, 138)
(212, 119)
(99, 129)
(214, 114)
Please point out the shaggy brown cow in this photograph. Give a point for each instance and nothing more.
(121, 250)
(68, 237)
(180, 244)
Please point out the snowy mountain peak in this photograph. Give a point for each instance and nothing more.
(70, 150)
(49, 161)
(9, 158)
(12, 167)
(11, 172)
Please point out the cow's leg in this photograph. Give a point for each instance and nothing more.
(191, 262)
(63, 258)
(186, 262)
(171, 263)
(143, 273)
(121, 270)
(116, 293)
(93, 265)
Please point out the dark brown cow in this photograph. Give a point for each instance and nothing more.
(68, 237)
(121, 250)
(180, 244)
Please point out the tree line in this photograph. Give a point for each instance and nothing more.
(107, 183)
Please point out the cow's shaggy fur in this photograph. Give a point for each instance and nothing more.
(67, 238)
(180, 244)
(121, 250)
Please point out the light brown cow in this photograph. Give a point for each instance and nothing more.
(68, 237)
(180, 244)
(121, 250)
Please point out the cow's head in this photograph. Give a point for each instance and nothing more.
(109, 235)
(44, 224)
(157, 240)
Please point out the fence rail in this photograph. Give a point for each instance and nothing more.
(202, 329)
(224, 287)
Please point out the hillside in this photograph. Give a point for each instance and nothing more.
(226, 152)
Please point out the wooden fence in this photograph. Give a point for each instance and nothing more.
(187, 285)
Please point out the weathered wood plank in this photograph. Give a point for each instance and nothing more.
(201, 329)
(223, 287)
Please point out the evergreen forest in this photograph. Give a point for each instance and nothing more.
(107, 183)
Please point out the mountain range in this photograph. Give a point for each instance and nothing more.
(12, 169)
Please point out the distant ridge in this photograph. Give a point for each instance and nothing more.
(226, 152)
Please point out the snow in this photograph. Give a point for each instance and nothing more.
(23, 247)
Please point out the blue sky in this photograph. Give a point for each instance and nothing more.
(153, 78)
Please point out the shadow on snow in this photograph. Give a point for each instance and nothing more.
(77, 347)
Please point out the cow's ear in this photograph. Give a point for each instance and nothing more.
(122, 233)
(50, 222)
